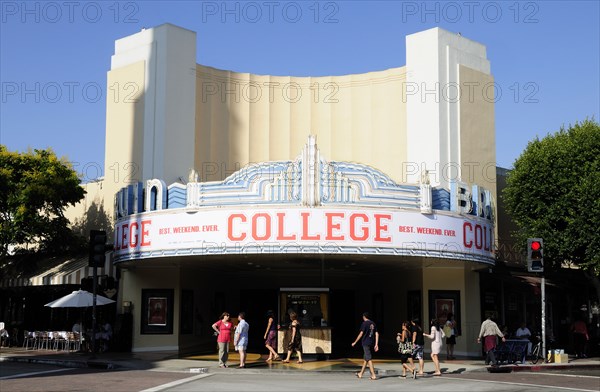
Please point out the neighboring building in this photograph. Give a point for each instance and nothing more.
(512, 295)
(329, 195)
(32, 280)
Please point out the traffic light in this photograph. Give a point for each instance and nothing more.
(535, 255)
(87, 284)
(97, 248)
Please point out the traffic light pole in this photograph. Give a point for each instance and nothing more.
(97, 258)
(544, 316)
(535, 263)
(95, 277)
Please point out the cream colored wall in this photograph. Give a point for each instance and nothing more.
(477, 129)
(94, 195)
(472, 322)
(444, 278)
(478, 132)
(151, 278)
(124, 130)
(360, 118)
(466, 279)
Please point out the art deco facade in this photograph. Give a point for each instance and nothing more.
(234, 191)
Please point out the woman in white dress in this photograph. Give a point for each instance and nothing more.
(436, 337)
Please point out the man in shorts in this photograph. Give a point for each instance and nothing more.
(240, 339)
(370, 341)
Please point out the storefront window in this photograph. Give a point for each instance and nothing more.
(310, 306)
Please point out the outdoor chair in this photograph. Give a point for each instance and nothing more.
(26, 339)
(36, 339)
(58, 341)
(73, 341)
(29, 339)
(43, 340)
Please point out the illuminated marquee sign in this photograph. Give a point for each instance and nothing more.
(302, 230)
(306, 205)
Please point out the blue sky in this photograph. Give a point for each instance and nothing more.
(54, 56)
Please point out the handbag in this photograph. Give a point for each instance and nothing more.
(447, 331)
(405, 348)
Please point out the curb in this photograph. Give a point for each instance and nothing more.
(65, 363)
(539, 368)
(535, 368)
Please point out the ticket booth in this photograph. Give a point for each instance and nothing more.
(312, 307)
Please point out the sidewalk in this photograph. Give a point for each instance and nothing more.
(170, 362)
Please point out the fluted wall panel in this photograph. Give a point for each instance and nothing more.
(244, 118)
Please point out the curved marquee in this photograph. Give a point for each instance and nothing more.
(304, 206)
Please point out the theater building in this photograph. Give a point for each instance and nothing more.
(326, 195)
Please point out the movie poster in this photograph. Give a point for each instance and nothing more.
(157, 311)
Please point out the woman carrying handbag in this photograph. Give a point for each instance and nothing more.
(405, 348)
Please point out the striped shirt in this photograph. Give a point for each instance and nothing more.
(489, 328)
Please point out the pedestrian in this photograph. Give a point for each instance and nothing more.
(223, 331)
(295, 343)
(418, 343)
(240, 338)
(77, 327)
(104, 335)
(450, 330)
(271, 337)
(489, 331)
(580, 337)
(505, 331)
(523, 333)
(436, 335)
(405, 348)
(4, 336)
(370, 340)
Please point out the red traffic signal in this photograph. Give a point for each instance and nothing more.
(535, 255)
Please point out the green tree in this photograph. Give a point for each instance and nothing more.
(553, 193)
(35, 188)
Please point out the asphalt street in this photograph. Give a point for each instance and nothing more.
(38, 377)
(344, 382)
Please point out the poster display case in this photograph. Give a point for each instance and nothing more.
(312, 308)
(157, 311)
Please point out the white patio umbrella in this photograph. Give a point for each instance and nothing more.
(79, 299)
